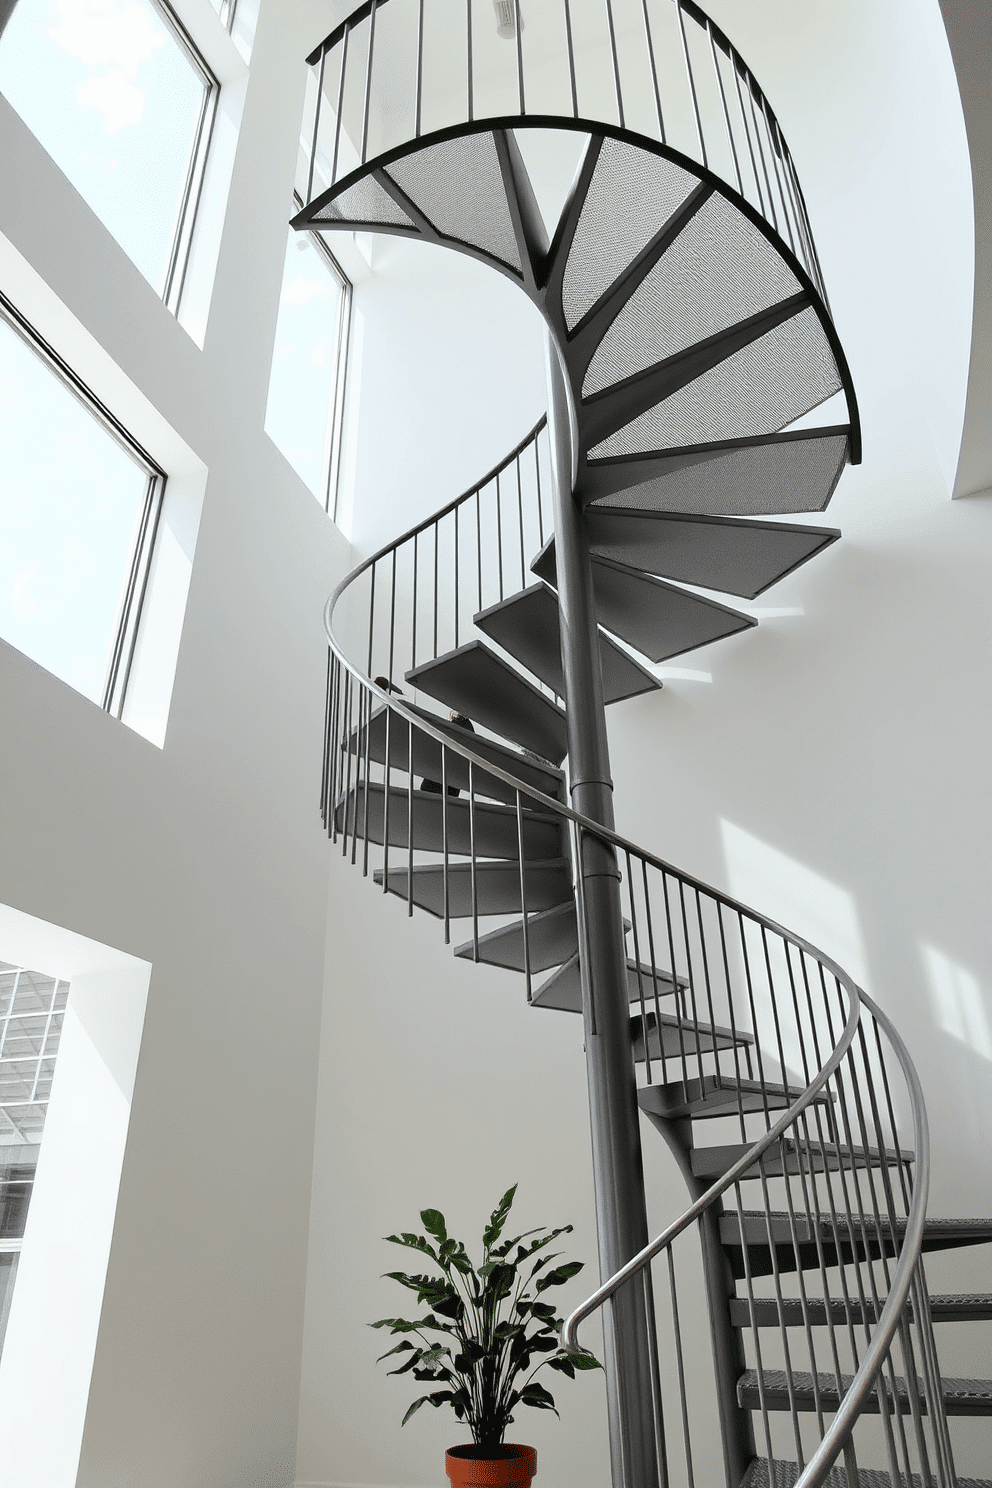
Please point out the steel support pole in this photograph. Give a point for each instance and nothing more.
(621, 1215)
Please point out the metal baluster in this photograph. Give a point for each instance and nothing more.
(468, 55)
(316, 123)
(478, 539)
(739, 69)
(326, 751)
(420, 67)
(499, 533)
(692, 82)
(571, 59)
(726, 110)
(471, 839)
(680, 1366)
(368, 81)
(348, 693)
(680, 1002)
(385, 800)
(445, 871)
(751, 85)
(657, 1407)
(413, 620)
(520, 59)
(520, 517)
(775, 145)
(523, 892)
(340, 110)
(392, 620)
(651, 953)
(335, 750)
(409, 837)
(692, 985)
(540, 512)
(654, 71)
(353, 809)
(436, 525)
(616, 62)
(645, 1030)
(456, 598)
(368, 664)
(368, 776)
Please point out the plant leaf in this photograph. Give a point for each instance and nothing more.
(559, 1275)
(433, 1222)
(583, 1360)
(401, 1348)
(497, 1219)
(536, 1395)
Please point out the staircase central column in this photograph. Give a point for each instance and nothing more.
(616, 1145)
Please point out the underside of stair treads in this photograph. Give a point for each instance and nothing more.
(783, 473)
(435, 179)
(493, 830)
(475, 681)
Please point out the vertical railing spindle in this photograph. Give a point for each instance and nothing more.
(368, 82)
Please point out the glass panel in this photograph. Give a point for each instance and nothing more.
(71, 499)
(305, 362)
(112, 95)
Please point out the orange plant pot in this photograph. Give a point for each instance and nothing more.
(481, 1467)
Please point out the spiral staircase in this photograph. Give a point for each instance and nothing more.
(689, 341)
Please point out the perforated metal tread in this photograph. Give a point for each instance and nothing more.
(962, 1397)
(785, 1474)
(495, 826)
(658, 619)
(563, 990)
(768, 1313)
(475, 681)
(435, 178)
(789, 1156)
(497, 886)
(527, 626)
(427, 756)
(671, 1037)
(714, 1095)
(552, 937)
(771, 475)
(832, 1239)
(741, 556)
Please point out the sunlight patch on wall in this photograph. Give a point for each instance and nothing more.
(960, 1006)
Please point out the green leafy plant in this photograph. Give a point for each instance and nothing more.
(492, 1322)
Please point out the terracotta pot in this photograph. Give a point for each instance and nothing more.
(508, 1466)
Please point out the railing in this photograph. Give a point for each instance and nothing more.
(838, 1304)
(397, 71)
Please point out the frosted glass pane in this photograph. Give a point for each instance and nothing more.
(305, 362)
(112, 96)
(70, 501)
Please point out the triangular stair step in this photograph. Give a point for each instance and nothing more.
(788, 1156)
(497, 887)
(552, 937)
(769, 1313)
(673, 1037)
(766, 476)
(563, 990)
(715, 1095)
(785, 1475)
(836, 1238)
(475, 681)
(527, 626)
(427, 756)
(659, 619)
(731, 555)
(495, 827)
(962, 1397)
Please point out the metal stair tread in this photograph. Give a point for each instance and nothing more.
(540, 776)
(670, 1036)
(833, 1237)
(497, 886)
(785, 1474)
(713, 1162)
(552, 936)
(495, 825)
(733, 555)
(563, 990)
(714, 1095)
(657, 618)
(767, 1312)
(473, 680)
(962, 1397)
(527, 626)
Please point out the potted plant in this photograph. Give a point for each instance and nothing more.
(493, 1326)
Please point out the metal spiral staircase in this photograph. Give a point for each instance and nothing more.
(689, 338)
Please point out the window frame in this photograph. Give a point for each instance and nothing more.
(196, 166)
(132, 596)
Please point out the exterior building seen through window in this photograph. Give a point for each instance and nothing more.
(306, 383)
(119, 97)
(79, 505)
(32, 1010)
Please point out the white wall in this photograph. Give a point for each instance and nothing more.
(831, 766)
(204, 858)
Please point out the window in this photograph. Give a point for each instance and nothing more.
(116, 93)
(79, 507)
(32, 1010)
(225, 9)
(306, 384)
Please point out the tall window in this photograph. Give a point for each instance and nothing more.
(119, 97)
(306, 385)
(79, 505)
(32, 1009)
